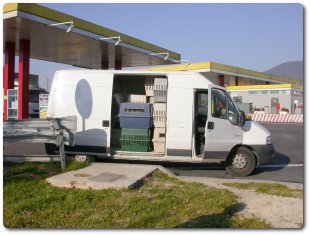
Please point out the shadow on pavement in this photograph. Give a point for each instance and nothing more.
(217, 220)
(281, 161)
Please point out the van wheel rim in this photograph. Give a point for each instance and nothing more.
(239, 161)
(80, 158)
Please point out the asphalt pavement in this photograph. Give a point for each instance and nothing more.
(288, 140)
(288, 166)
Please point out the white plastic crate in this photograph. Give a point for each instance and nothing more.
(159, 134)
(159, 139)
(150, 99)
(149, 86)
(136, 98)
(160, 90)
(160, 84)
(160, 96)
(159, 114)
(159, 147)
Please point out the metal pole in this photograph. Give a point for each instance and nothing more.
(62, 150)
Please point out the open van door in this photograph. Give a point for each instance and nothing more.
(92, 98)
(222, 131)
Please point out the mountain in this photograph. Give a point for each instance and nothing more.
(292, 69)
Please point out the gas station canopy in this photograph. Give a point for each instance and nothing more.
(61, 38)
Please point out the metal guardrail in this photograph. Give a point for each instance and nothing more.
(59, 131)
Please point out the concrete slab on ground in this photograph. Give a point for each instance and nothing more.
(104, 175)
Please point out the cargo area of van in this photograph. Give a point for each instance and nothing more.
(138, 115)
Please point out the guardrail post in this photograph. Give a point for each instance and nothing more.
(61, 145)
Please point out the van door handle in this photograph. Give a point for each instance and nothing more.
(105, 123)
(210, 125)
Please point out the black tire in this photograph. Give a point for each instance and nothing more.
(241, 162)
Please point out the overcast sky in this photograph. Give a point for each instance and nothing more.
(252, 36)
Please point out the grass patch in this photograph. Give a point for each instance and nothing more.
(269, 188)
(162, 202)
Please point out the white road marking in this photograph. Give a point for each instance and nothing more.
(283, 165)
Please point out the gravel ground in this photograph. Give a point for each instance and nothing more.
(280, 212)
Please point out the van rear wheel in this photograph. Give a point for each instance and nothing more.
(241, 163)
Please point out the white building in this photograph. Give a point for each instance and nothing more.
(265, 97)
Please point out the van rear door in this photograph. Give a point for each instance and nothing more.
(92, 94)
(222, 127)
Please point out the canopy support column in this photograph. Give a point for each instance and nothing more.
(23, 79)
(8, 74)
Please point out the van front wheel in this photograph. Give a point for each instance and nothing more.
(241, 163)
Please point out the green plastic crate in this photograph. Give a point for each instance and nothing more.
(135, 140)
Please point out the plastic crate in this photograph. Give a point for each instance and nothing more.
(159, 140)
(160, 84)
(135, 115)
(149, 86)
(136, 98)
(160, 96)
(159, 146)
(159, 134)
(135, 140)
(159, 114)
(151, 100)
(160, 90)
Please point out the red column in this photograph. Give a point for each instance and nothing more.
(8, 74)
(236, 81)
(278, 107)
(23, 79)
(118, 65)
(221, 80)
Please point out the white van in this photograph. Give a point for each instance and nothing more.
(202, 123)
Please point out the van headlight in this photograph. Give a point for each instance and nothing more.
(268, 140)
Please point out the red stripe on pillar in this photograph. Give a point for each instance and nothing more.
(118, 65)
(104, 65)
(8, 74)
(221, 80)
(23, 79)
(236, 81)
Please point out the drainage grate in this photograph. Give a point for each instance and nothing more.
(107, 177)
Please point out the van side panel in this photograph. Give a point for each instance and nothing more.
(179, 118)
(86, 94)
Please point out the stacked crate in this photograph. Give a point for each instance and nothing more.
(136, 124)
(136, 98)
(156, 89)
(160, 90)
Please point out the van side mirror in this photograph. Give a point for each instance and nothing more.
(241, 118)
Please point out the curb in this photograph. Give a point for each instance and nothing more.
(221, 181)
